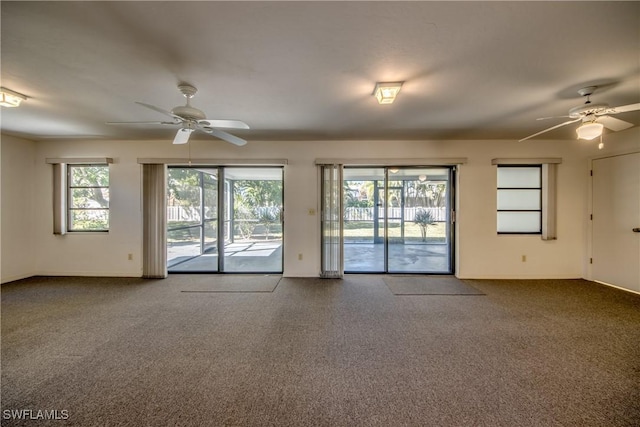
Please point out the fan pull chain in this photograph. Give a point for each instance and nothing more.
(189, 144)
(601, 145)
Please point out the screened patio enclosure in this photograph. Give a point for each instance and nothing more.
(397, 220)
(224, 219)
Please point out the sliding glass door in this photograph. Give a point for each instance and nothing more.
(364, 220)
(224, 219)
(398, 220)
(192, 211)
(253, 220)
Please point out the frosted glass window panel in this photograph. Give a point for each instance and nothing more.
(519, 222)
(519, 200)
(520, 177)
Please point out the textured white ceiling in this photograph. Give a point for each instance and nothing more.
(306, 70)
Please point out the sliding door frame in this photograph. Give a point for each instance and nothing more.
(450, 220)
(224, 214)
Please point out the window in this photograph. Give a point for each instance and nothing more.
(519, 199)
(88, 197)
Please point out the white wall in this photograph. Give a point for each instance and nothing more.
(482, 253)
(18, 217)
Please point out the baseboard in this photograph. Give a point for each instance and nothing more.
(617, 287)
(520, 277)
(16, 277)
(88, 274)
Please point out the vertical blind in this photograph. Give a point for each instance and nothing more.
(154, 212)
(332, 262)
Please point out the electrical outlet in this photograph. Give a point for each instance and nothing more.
(299, 257)
(130, 257)
(524, 258)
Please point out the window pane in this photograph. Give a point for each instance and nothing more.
(518, 199)
(89, 198)
(519, 177)
(89, 220)
(519, 222)
(89, 176)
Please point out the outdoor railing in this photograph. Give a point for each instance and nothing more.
(367, 214)
(181, 213)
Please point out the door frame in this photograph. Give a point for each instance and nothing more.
(450, 223)
(224, 207)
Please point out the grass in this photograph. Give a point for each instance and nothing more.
(363, 230)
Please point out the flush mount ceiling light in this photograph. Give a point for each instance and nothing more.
(9, 98)
(589, 130)
(386, 92)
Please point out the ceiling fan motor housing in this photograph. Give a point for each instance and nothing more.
(187, 112)
(585, 110)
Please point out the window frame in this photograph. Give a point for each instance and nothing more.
(69, 208)
(539, 189)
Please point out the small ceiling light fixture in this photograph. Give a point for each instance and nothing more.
(9, 98)
(589, 130)
(422, 178)
(386, 92)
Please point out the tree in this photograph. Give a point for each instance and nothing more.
(424, 219)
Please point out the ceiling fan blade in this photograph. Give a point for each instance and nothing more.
(229, 124)
(142, 123)
(160, 110)
(225, 136)
(182, 136)
(613, 123)
(551, 117)
(622, 109)
(551, 128)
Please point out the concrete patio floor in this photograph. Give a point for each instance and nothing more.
(266, 257)
(403, 258)
(240, 257)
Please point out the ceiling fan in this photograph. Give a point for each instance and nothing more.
(191, 119)
(594, 117)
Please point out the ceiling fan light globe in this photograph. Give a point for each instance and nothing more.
(589, 131)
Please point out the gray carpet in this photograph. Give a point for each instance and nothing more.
(429, 285)
(227, 282)
(132, 352)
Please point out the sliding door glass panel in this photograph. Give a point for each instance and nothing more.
(184, 208)
(364, 220)
(210, 213)
(418, 209)
(253, 220)
(394, 214)
(421, 206)
(191, 217)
